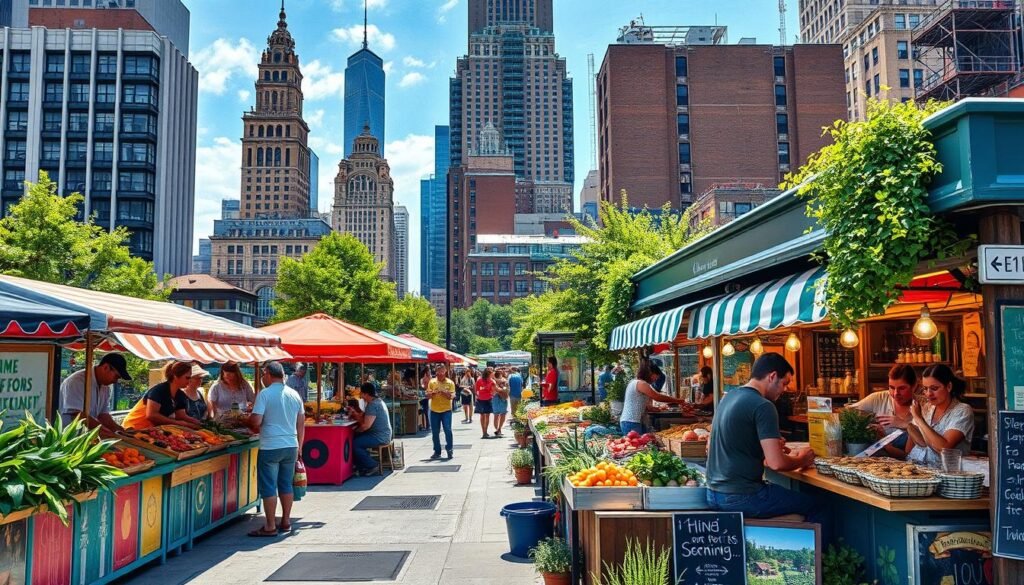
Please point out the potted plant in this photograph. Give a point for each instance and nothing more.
(616, 393)
(553, 560)
(521, 432)
(521, 462)
(641, 565)
(858, 432)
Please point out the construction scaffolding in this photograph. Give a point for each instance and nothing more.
(639, 32)
(967, 48)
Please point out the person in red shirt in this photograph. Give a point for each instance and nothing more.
(484, 393)
(549, 390)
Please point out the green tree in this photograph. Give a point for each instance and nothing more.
(482, 327)
(41, 239)
(340, 278)
(415, 315)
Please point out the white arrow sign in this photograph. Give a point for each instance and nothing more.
(1001, 264)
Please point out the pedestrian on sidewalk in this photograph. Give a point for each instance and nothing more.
(500, 401)
(549, 390)
(441, 392)
(279, 417)
(373, 429)
(484, 393)
(424, 401)
(515, 389)
(466, 385)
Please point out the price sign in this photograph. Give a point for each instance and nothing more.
(1011, 325)
(25, 374)
(708, 548)
(1008, 531)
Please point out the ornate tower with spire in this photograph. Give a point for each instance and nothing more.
(275, 156)
(364, 93)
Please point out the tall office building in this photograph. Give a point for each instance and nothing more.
(169, 18)
(364, 201)
(437, 245)
(401, 250)
(834, 21)
(675, 119)
(314, 183)
(364, 95)
(425, 188)
(512, 77)
(110, 114)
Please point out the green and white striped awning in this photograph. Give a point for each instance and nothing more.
(656, 329)
(779, 303)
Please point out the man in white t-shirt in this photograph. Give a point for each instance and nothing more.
(892, 407)
(112, 367)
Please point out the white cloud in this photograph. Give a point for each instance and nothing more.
(326, 150)
(316, 119)
(411, 61)
(388, 66)
(321, 81)
(445, 8)
(244, 95)
(222, 60)
(411, 79)
(353, 35)
(218, 176)
(339, 5)
(411, 159)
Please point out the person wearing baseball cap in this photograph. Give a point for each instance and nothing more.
(111, 368)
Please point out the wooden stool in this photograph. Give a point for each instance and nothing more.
(379, 451)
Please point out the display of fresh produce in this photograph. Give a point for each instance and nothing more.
(125, 458)
(222, 428)
(168, 437)
(660, 469)
(604, 474)
(599, 415)
(45, 464)
(628, 445)
(212, 438)
(694, 432)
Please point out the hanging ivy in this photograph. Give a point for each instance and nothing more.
(868, 190)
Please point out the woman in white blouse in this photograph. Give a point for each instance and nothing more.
(943, 422)
(229, 389)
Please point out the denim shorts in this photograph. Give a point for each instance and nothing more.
(275, 471)
(483, 406)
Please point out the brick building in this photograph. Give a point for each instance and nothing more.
(723, 203)
(214, 296)
(502, 268)
(675, 119)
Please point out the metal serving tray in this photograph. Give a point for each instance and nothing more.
(602, 498)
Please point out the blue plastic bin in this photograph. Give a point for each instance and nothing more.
(527, 524)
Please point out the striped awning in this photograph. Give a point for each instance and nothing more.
(778, 303)
(660, 328)
(154, 348)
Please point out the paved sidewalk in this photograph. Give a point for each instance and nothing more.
(461, 542)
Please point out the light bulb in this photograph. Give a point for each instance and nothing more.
(924, 327)
(793, 342)
(728, 349)
(756, 347)
(849, 338)
(708, 352)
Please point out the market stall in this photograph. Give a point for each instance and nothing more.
(577, 379)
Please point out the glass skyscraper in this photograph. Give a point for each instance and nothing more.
(437, 243)
(364, 97)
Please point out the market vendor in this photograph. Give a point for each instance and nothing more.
(707, 390)
(189, 402)
(373, 429)
(111, 368)
(892, 407)
(639, 394)
(549, 389)
(231, 389)
(745, 439)
(943, 422)
(297, 381)
(157, 406)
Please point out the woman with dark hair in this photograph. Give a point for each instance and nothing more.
(639, 394)
(485, 388)
(943, 422)
(230, 388)
(466, 385)
(707, 389)
(549, 389)
(157, 406)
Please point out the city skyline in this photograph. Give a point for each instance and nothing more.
(419, 43)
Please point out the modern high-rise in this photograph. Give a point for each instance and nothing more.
(169, 18)
(364, 96)
(512, 78)
(364, 201)
(676, 119)
(314, 182)
(425, 187)
(437, 242)
(108, 111)
(401, 250)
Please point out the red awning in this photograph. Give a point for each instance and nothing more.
(440, 354)
(933, 288)
(154, 348)
(322, 338)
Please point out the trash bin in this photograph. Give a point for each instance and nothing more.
(527, 524)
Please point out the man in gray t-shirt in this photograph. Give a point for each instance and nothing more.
(745, 438)
(374, 429)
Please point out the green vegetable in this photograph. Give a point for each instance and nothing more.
(599, 415)
(45, 464)
(661, 467)
(577, 455)
(856, 426)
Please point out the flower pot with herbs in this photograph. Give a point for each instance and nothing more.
(521, 432)
(858, 430)
(521, 462)
(615, 392)
(553, 560)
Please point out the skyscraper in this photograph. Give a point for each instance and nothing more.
(314, 183)
(401, 250)
(437, 248)
(364, 94)
(425, 188)
(512, 77)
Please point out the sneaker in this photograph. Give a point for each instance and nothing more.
(435, 456)
(450, 455)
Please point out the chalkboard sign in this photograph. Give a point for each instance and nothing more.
(959, 555)
(708, 548)
(1011, 326)
(831, 359)
(1008, 537)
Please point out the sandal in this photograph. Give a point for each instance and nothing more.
(284, 529)
(262, 532)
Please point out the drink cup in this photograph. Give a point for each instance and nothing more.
(951, 460)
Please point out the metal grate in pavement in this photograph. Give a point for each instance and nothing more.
(342, 566)
(433, 468)
(397, 503)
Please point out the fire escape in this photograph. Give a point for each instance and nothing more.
(967, 48)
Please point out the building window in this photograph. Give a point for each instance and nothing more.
(18, 121)
(503, 287)
(106, 64)
(915, 19)
(264, 304)
(780, 66)
(684, 153)
(878, 85)
(135, 211)
(503, 269)
(51, 121)
(14, 180)
(101, 181)
(783, 153)
(139, 94)
(55, 63)
(782, 123)
(79, 93)
(683, 123)
(780, 95)
(900, 20)
(103, 151)
(51, 151)
(522, 287)
(138, 124)
(104, 122)
(81, 64)
(680, 66)
(139, 182)
(106, 93)
(918, 78)
(487, 269)
(20, 62)
(17, 92)
(139, 65)
(487, 288)
(867, 62)
(77, 151)
(682, 96)
(902, 51)
(904, 77)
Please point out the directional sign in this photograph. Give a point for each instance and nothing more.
(1001, 264)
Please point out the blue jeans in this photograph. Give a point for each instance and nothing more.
(360, 446)
(625, 426)
(769, 501)
(275, 471)
(425, 410)
(438, 420)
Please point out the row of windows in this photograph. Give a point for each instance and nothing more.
(269, 249)
(272, 158)
(106, 93)
(487, 268)
(106, 64)
(218, 305)
(261, 131)
(487, 287)
(258, 267)
(17, 121)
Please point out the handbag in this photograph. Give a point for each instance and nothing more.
(299, 480)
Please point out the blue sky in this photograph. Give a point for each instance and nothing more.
(781, 538)
(419, 41)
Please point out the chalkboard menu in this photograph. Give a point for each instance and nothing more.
(1008, 532)
(1011, 321)
(832, 360)
(708, 548)
(950, 554)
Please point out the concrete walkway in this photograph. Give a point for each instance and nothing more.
(461, 542)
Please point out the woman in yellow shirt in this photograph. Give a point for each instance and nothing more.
(440, 392)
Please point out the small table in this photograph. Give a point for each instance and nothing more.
(327, 453)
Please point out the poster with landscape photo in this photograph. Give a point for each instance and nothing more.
(783, 553)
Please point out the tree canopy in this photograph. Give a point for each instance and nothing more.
(483, 327)
(41, 239)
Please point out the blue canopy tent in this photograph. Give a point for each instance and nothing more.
(21, 318)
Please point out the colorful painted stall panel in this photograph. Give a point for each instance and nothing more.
(92, 539)
(217, 503)
(243, 480)
(13, 547)
(202, 495)
(126, 524)
(232, 485)
(253, 495)
(152, 514)
(49, 535)
(178, 514)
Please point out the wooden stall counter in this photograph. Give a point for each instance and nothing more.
(867, 496)
(327, 453)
